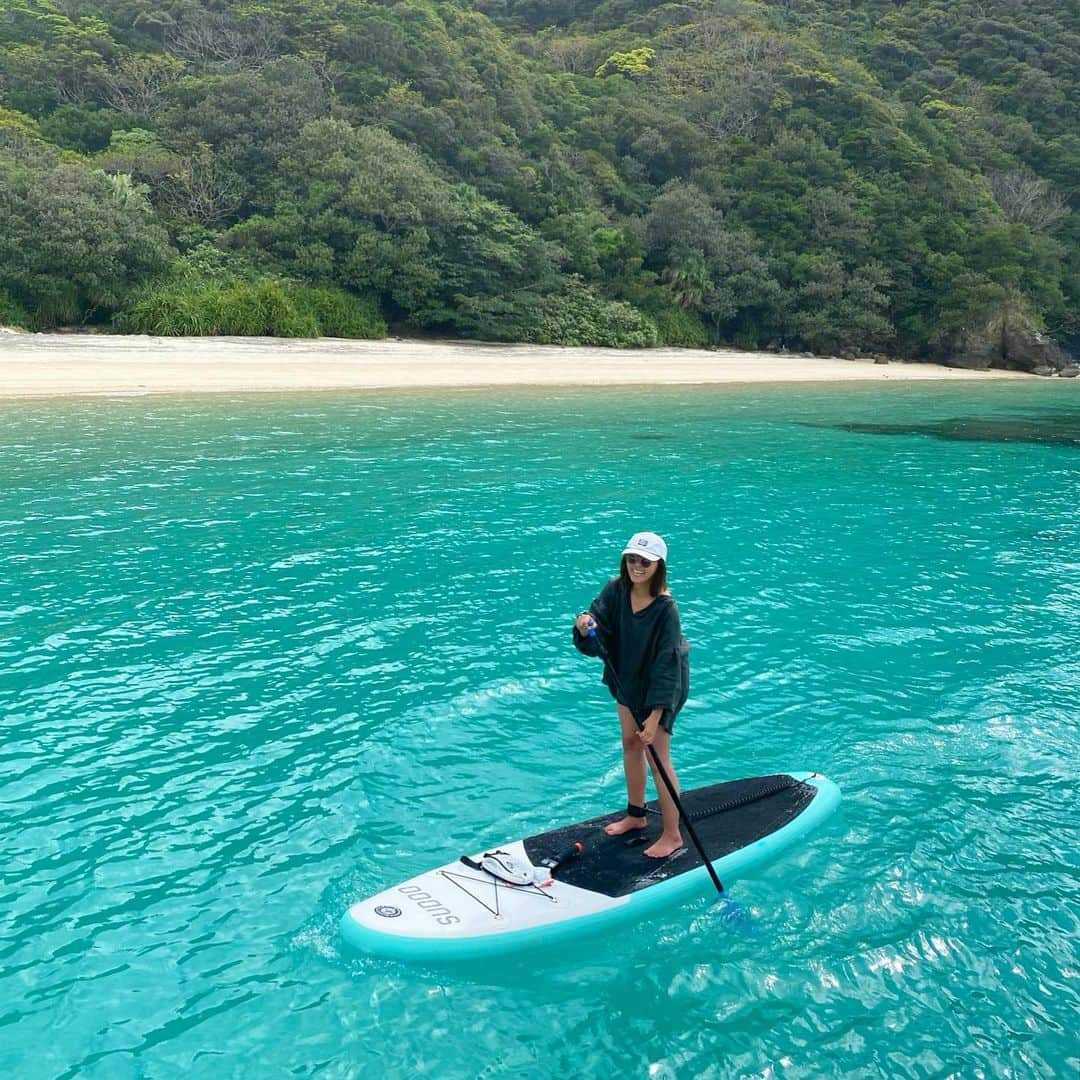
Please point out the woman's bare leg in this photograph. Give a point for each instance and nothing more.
(671, 838)
(633, 752)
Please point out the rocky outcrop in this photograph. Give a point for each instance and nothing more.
(1012, 347)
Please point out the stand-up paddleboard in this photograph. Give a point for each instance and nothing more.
(468, 908)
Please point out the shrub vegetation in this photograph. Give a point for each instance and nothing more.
(13, 314)
(263, 308)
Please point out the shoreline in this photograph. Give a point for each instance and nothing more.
(82, 365)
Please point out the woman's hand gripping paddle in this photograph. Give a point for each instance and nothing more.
(732, 913)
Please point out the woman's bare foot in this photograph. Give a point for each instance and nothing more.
(628, 824)
(666, 845)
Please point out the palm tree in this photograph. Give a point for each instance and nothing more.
(688, 281)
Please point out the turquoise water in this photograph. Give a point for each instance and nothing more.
(261, 657)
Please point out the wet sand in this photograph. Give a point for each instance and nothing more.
(64, 365)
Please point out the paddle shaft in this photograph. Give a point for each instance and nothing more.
(662, 773)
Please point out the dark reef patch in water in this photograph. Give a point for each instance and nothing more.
(1060, 429)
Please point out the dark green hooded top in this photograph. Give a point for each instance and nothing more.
(647, 650)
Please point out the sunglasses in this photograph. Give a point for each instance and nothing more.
(638, 560)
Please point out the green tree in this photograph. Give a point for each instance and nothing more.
(634, 64)
(370, 211)
(711, 268)
(73, 240)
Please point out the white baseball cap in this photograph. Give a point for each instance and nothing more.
(646, 544)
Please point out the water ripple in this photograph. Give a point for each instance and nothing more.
(262, 657)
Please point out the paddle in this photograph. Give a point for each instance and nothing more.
(735, 914)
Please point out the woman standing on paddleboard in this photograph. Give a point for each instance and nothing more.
(634, 624)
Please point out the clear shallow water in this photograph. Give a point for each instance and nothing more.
(261, 657)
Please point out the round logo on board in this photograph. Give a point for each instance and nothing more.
(388, 911)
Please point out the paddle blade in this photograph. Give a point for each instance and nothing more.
(732, 916)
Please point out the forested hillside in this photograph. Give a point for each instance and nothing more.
(823, 175)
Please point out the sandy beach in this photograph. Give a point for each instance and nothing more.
(64, 365)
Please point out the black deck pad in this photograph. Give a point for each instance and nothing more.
(725, 817)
